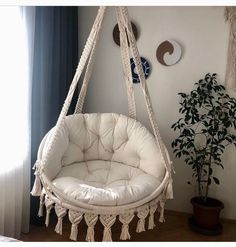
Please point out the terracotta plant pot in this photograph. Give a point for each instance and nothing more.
(206, 215)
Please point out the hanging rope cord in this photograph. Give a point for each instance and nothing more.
(125, 58)
(84, 57)
(88, 55)
(127, 73)
(123, 14)
(88, 74)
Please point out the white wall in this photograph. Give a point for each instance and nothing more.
(203, 35)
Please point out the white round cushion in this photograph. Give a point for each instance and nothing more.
(100, 182)
(104, 159)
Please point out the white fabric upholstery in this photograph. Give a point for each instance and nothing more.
(101, 182)
(104, 159)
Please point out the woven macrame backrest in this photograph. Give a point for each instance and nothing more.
(87, 58)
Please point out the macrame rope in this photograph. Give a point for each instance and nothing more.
(75, 218)
(81, 65)
(91, 220)
(49, 205)
(152, 210)
(137, 60)
(40, 212)
(87, 76)
(142, 214)
(60, 212)
(161, 210)
(88, 72)
(125, 58)
(107, 221)
(37, 187)
(125, 219)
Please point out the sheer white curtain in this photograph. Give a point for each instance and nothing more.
(16, 46)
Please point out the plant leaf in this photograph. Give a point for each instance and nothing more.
(216, 180)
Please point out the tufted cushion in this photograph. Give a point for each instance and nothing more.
(100, 182)
(104, 155)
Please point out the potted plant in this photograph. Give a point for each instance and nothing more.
(205, 130)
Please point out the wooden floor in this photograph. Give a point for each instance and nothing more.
(174, 229)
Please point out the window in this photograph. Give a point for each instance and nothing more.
(14, 89)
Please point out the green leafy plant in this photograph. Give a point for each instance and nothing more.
(206, 128)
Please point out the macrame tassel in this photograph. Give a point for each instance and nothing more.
(142, 214)
(47, 217)
(40, 212)
(60, 212)
(125, 219)
(90, 234)
(107, 221)
(74, 232)
(169, 190)
(162, 218)
(37, 187)
(107, 235)
(49, 205)
(58, 228)
(141, 225)
(75, 217)
(152, 210)
(151, 223)
(125, 232)
(162, 208)
(91, 220)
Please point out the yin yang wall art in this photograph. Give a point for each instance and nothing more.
(168, 52)
(146, 69)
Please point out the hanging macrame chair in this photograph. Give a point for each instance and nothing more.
(104, 166)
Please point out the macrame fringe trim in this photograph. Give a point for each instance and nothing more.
(60, 212)
(162, 208)
(37, 187)
(40, 212)
(47, 220)
(90, 234)
(49, 205)
(151, 223)
(107, 220)
(74, 232)
(75, 218)
(107, 234)
(125, 232)
(141, 225)
(169, 190)
(58, 228)
(125, 219)
(91, 220)
(143, 212)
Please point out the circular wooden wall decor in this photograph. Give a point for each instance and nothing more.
(168, 52)
(116, 33)
(146, 69)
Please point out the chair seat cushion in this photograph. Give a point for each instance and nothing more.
(99, 182)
